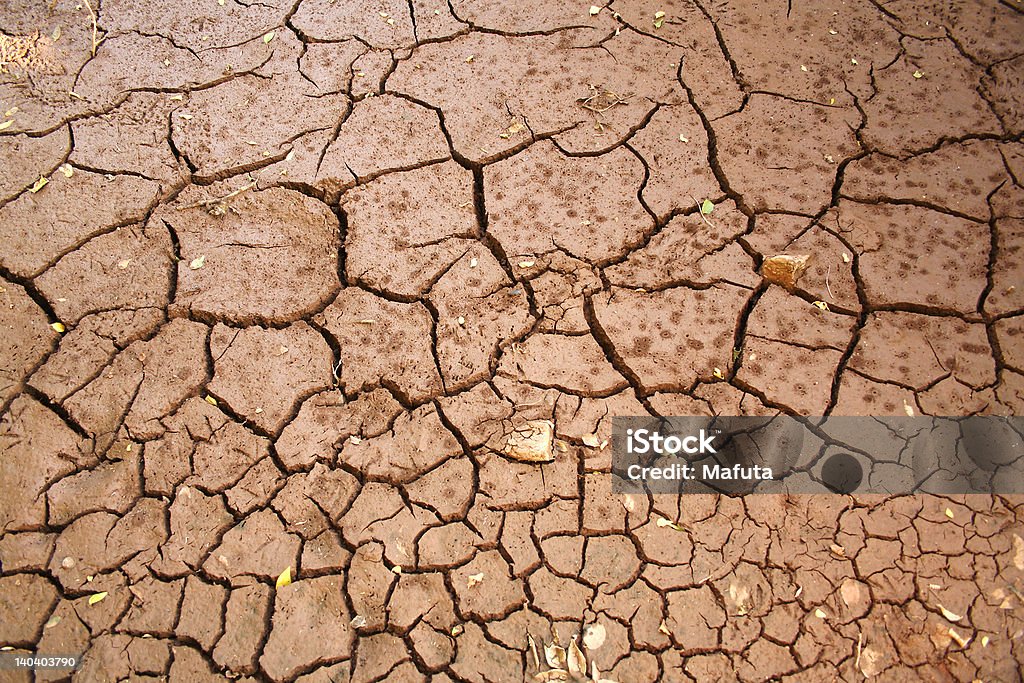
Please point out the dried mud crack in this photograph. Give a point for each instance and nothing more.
(281, 282)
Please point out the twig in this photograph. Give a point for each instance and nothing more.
(860, 642)
(828, 271)
(702, 216)
(219, 200)
(92, 13)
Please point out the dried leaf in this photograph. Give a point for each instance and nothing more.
(552, 675)
(97, 597)
(662, 522)
(67, 170)
(949, 513)
(985, 640)
(918, 74)
(285, 578)
(52, 621)
(269, 37)
(6, 124)
(594, 9)
(529, 263)
(38, 185)
(908, 409)
(960, 640)
(950, 616)
(555, 657)
(397, 569)
(58, 327)
(457, 630)
(533, 650)
(474, 579)
(594, 636)
(1018, 552)
(198, 262)
(785, 269)
(663, 628)
(837, 550)
(820, 305)
(717, 372)
(55, 36)
(820, 613)
(577, 662)
(846, 257)
(592, 440)
(706, 207)
(659, 19)
(870, 662)
(358, 621)
(211, 400)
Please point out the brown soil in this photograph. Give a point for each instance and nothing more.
(300, 270)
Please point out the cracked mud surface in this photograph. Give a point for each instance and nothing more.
(302, 270)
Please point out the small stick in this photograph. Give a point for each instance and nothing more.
(218, 200)
(92, 13)
(827, 272)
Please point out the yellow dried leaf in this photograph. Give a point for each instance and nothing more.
(591, 440)
(908, 409)
(55, 36)
(717, 372)
(821, 305)
(949, 513)
(846, 257)
(663, 628)
(284, 578)
(469, 59)
(38, 185)
(67, 170)
(211, 400)
(58, 327)
(457, 630)
(985, 641)
(527, 264)
(474, 579)
(269, 37)
(594, 9)
(197, 263)
(97, 597)
(820, 613)
(918, 74)
(397, 569)
(6, 124)
(555, 656)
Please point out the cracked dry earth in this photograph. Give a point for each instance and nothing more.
(300, 269)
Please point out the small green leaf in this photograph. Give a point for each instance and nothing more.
(97, 597)
(707, 207)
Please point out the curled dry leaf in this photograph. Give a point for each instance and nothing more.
(950, 616)
(38, 185)
(532, 442)
(577, 662)
(555, 656)
(785, 269)
(960, 640)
